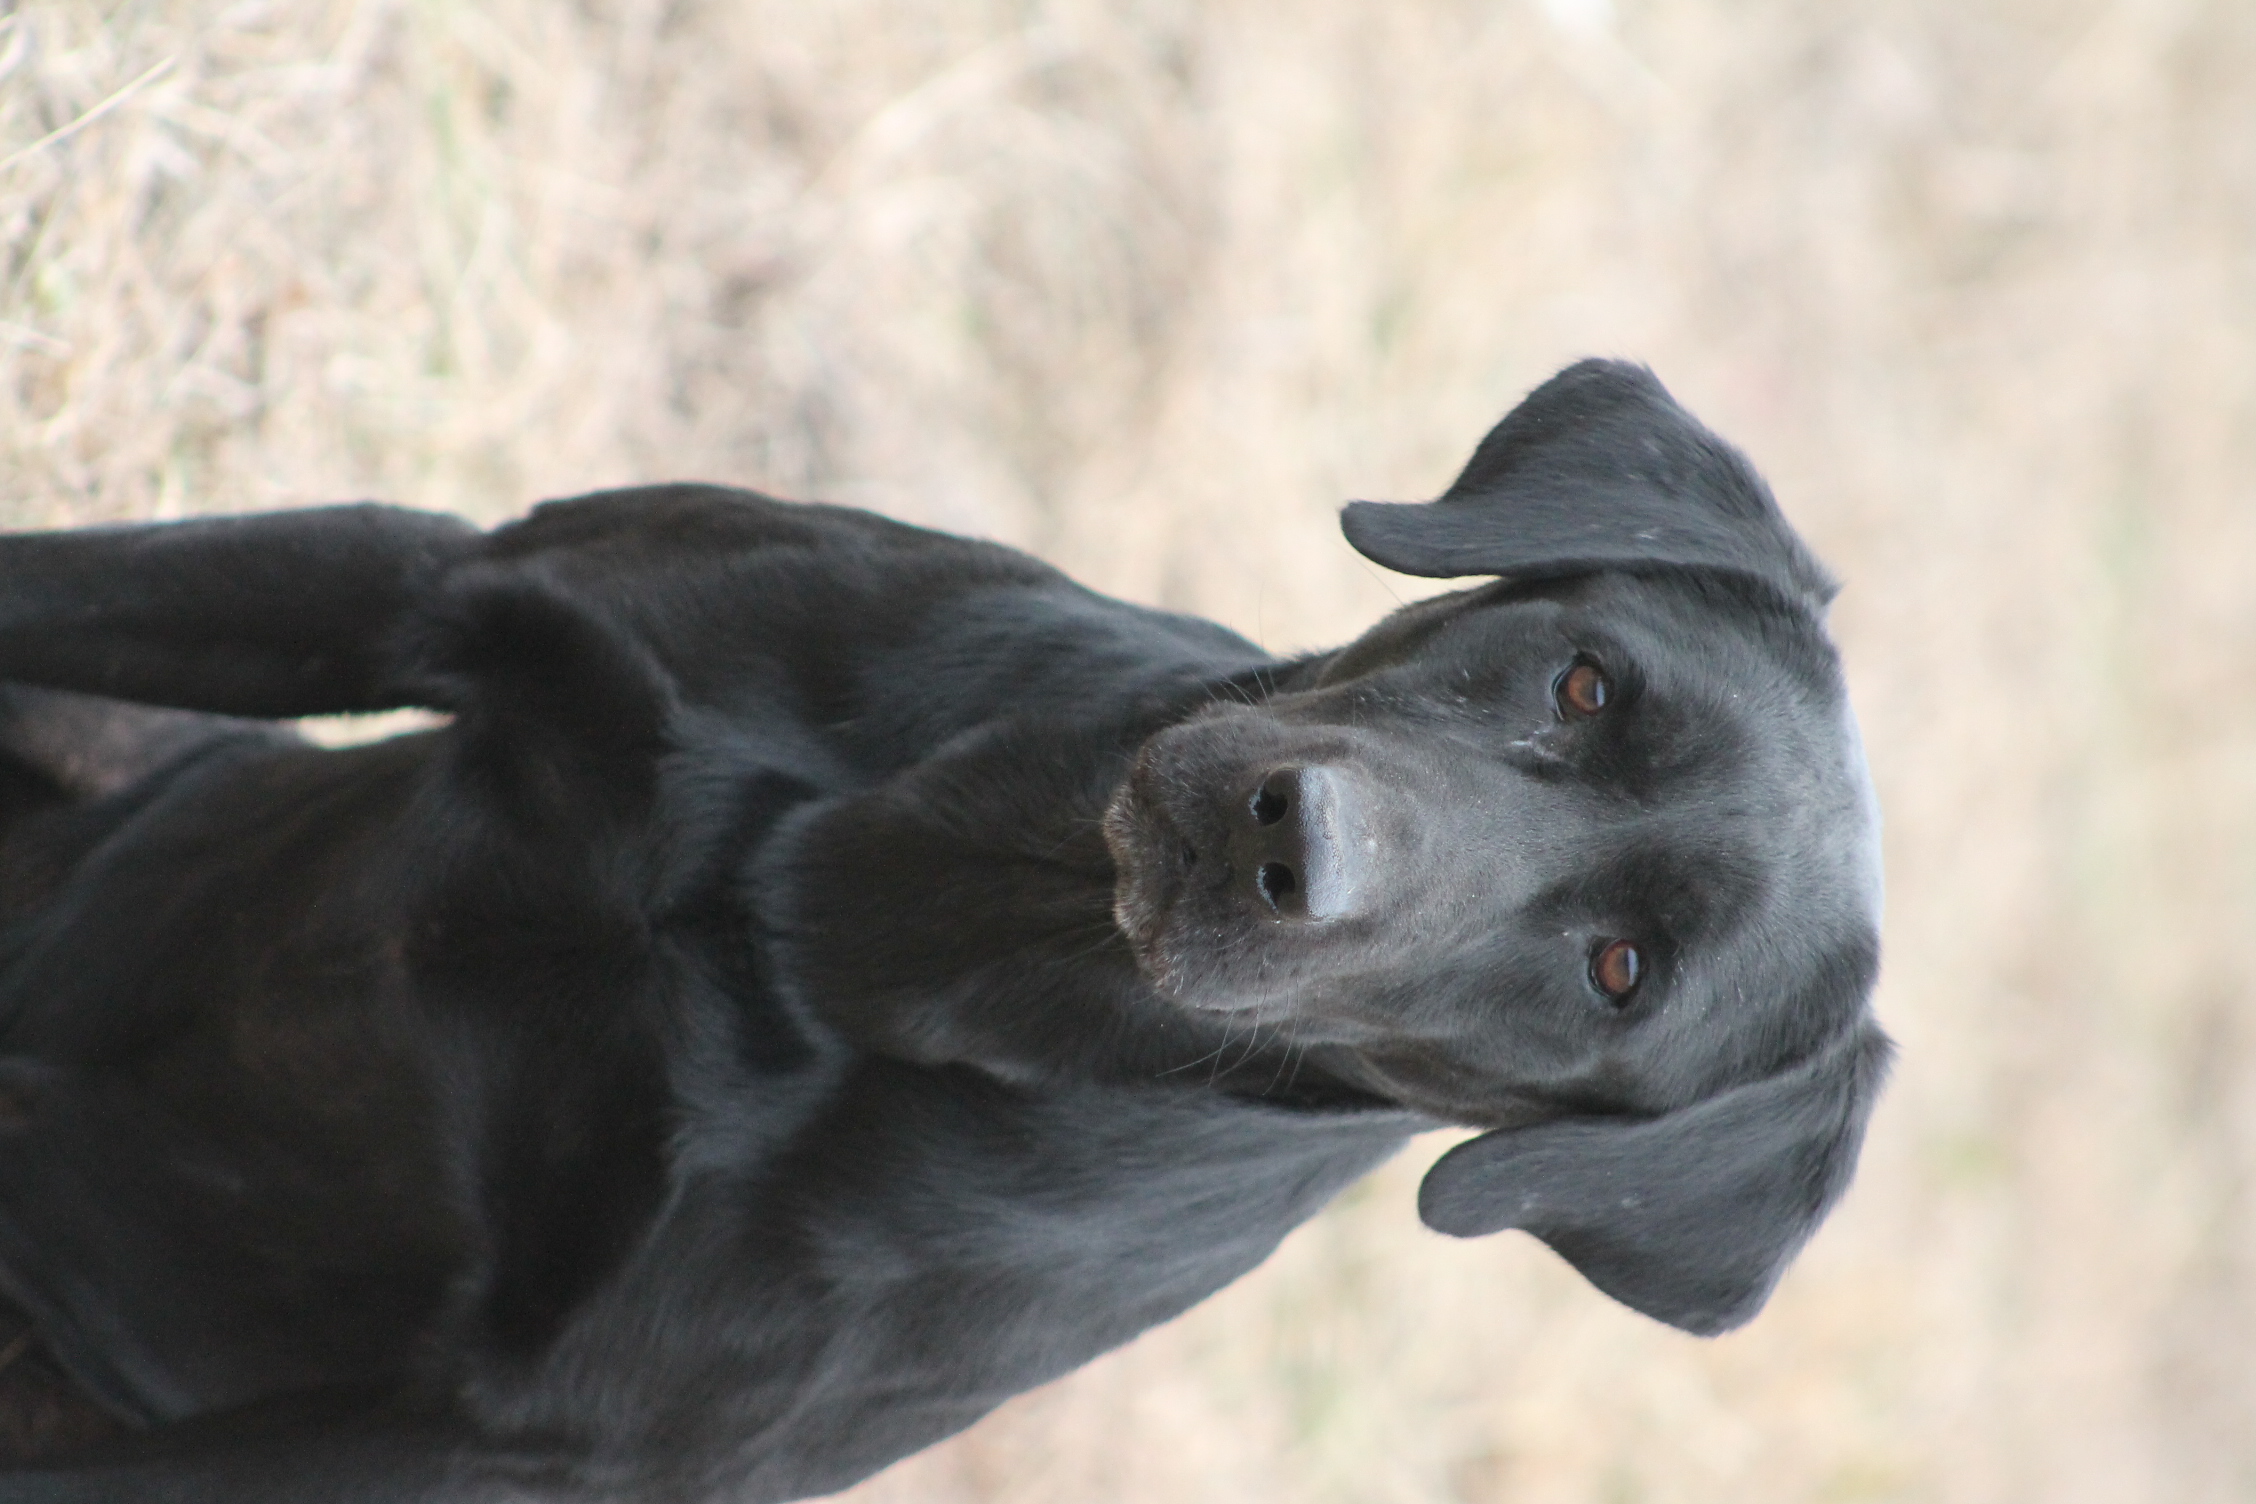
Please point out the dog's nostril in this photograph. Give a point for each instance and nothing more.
(1270, 804)
(1278, 883)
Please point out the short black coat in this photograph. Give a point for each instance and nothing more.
(728, 1056)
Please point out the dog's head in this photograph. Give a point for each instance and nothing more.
(1587, 854)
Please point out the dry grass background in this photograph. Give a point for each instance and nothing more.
(1149, 289)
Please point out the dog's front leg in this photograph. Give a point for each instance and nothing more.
(285, 614)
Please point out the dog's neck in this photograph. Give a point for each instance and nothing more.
(962, 913)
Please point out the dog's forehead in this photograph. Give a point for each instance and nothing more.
(1795, 799)
(1858, 831)
(1745, 742)
(1692, 633)
(1708, 654)
(1744, 704)
(1798, 770)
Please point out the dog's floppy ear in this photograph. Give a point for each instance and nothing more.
(1689, 1217)
(1597, 469)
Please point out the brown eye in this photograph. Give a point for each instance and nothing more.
(1616, 969)
(1582, 690)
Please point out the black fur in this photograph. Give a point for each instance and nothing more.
(829, 976)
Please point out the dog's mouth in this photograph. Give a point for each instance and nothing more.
(1153, 859)
(1256, 864)
(1207, 921)
(1172, 862)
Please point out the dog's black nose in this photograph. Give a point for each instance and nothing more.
(1295, 846)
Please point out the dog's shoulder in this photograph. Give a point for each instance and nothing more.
(614, 615)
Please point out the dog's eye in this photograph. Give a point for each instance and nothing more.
(1616, 969)
(1581, 690)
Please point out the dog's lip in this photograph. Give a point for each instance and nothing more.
(1139, 833)
(1148, 843)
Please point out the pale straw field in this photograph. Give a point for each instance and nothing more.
(1150, 289)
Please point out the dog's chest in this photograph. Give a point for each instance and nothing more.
(369, 1105)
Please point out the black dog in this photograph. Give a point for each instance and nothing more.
(830, 976)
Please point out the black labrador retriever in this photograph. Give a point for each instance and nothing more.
(828, 976)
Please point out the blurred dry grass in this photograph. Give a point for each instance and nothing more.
(1150, 288)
